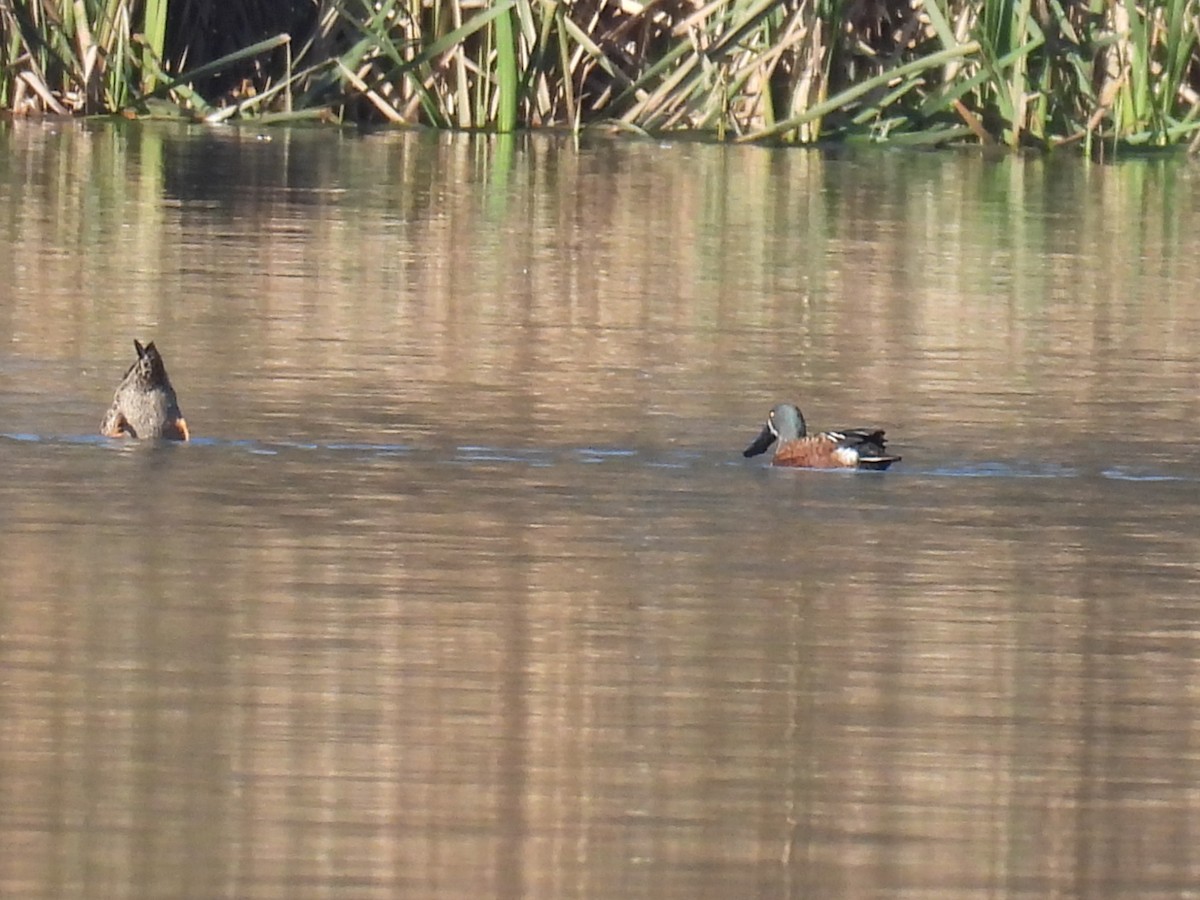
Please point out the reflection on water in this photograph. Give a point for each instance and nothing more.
(464, 587)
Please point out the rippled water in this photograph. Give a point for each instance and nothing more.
(464, 587)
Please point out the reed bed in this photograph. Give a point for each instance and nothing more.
(1101, 74)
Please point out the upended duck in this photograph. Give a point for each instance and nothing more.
(144, 405)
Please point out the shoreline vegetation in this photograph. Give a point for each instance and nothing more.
(1105, 76)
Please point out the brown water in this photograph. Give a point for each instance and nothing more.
(464, 588)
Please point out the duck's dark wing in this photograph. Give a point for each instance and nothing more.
(859, 438)
(869, 443)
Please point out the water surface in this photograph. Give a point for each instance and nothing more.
(464, 587)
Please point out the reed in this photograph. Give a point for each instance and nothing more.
(1105, 74)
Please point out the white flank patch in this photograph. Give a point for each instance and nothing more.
(847, 456)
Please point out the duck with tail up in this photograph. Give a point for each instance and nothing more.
(144, 405)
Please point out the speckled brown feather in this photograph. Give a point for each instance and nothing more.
(816, 452)
(835, 450)
(144, 405)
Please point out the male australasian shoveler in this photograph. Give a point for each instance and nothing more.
(144, 405)
(852, 448)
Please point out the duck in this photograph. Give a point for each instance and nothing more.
(850, 448)
(145, 405)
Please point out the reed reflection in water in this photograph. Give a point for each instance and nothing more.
(464, 587)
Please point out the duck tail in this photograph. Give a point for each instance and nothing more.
(878, 463)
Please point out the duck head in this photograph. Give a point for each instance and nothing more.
(784, 423)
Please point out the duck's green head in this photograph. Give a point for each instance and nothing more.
(784, 423)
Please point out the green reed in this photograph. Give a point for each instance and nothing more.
(1103, 74)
